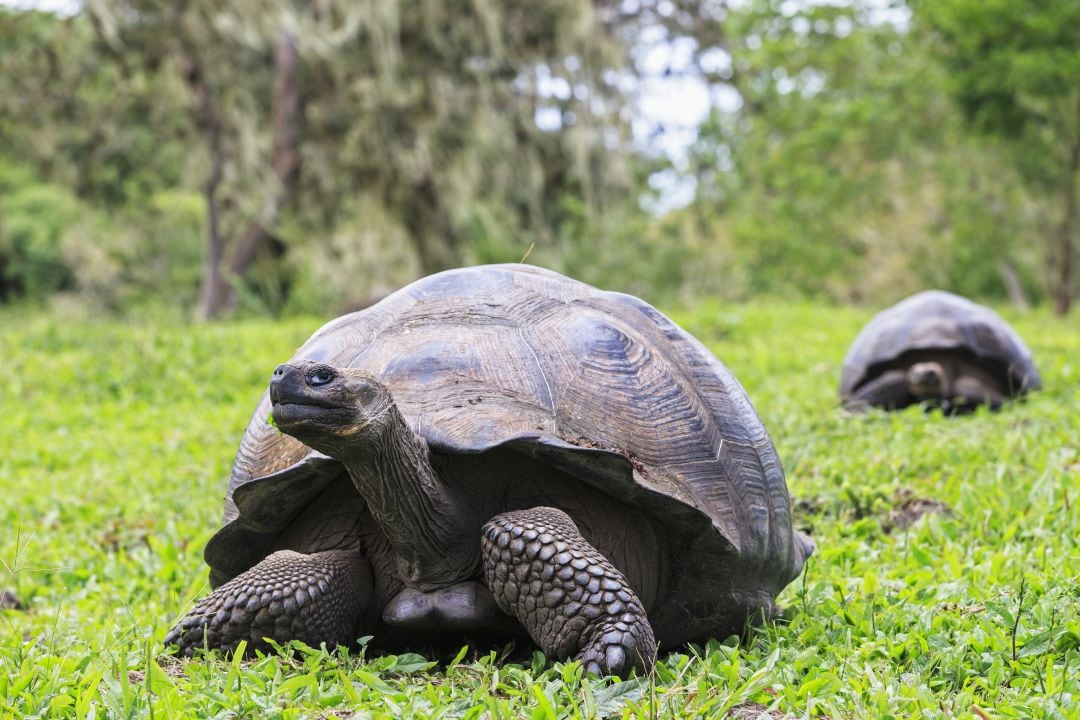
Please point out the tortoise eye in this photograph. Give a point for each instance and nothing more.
(320, 376)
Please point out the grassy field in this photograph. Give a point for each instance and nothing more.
(115, 440)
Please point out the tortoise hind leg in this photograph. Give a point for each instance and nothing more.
(288, 596)
(570, 598)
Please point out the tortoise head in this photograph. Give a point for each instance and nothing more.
(329, 408)
(928, 380)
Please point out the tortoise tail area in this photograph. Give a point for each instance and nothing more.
(803, 548)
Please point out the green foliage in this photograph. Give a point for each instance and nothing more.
(855, 160)
(150, 254)
(1012, 70)
(91, 154)
(418, 124)
(847, 173)
(1012, 64)
(117, 439)
(52, 245)
(100, 129)
(33, 220)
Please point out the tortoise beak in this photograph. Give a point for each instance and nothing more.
(308, 403)
(926, 380)
(306, 391)
(292, 384)
(287, 384)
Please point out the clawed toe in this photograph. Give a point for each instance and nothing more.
(288, 596)
(570, 598)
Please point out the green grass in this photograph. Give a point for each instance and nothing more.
(115, 440)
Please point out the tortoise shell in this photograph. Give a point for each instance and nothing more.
(939, 320)
(598, 384)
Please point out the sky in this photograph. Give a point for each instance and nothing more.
(61, 7)
(678, 102)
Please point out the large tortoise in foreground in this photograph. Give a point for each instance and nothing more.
(940, 349)
(498, 449)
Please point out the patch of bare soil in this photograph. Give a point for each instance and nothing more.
(909, 509)
(755, 711)
(8, 601)
(172, 669)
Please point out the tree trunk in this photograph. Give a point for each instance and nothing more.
(214, 285)
(1063, 288)
(215, 288)
(286, 159)
(1013, 286)
(219, 295)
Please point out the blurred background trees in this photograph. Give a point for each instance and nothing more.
(278, 157)
(1014, 69)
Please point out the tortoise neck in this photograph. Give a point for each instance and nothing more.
(415, 510)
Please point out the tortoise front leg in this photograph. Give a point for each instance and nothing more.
(288, 596)
(888, 390)
(969, 392)
(572, 601)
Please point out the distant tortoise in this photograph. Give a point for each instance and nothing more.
(495, 449)
(938, 348)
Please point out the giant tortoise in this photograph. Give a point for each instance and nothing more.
(501, 449)
(939, 349)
